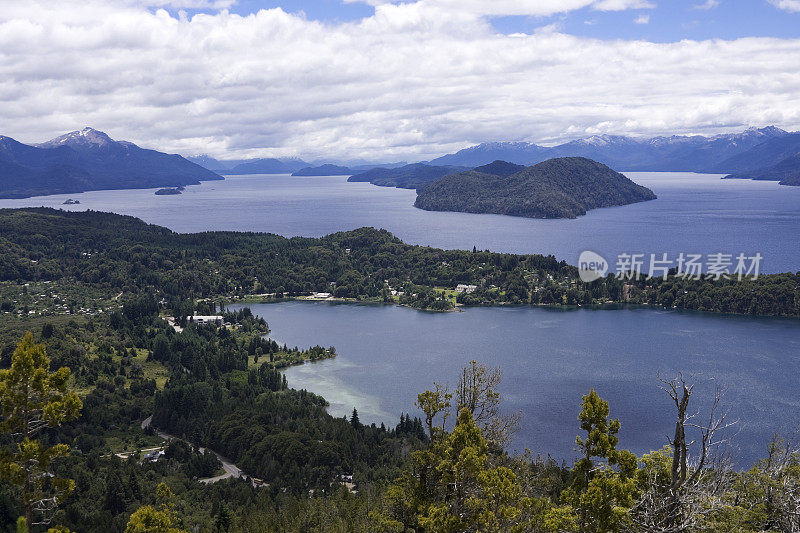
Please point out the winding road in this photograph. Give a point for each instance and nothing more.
(231, 470)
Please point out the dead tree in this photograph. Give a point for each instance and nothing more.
(477, 392)
(781, 479)
(694, 486)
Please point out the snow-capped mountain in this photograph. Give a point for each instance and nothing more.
(86, 138)
(90, 160)
(664, 153)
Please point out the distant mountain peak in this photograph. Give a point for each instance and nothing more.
(771, 131)
(85, 137)
(86, 160)
(753, 131)
(507, 144)
(605, 140)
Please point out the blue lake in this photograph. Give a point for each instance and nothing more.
(695, 213)
(549, 358)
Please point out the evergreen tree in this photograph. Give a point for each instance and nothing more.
(33, 398)
(451, 487)
(223, 519)
(604, 485)
(158, 519)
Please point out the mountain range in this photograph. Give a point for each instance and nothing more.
(736, 153)
(283, 165)
(257, 166)
(760, 153)
(88, 160)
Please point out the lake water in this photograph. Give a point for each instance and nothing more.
(695, 213)
(549, 358)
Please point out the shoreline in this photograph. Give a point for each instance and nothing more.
(459, 307)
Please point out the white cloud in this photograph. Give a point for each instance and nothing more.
(642, 19)
(787, 5)
(182, 4)
(622, 5)
(412, 81)
(555, 27)
(521, 7)
(708, 4)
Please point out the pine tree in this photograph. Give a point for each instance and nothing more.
(354, 419)
(33, 398)
(451, 487)
(604, 485)
(223, 520)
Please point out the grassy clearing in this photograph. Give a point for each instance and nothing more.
(118, 441)
(152, 369)
(450, 294)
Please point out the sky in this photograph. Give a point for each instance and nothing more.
(390, 81)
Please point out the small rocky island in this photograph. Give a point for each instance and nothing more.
(169, 191)
(70, 201)
(565, 187)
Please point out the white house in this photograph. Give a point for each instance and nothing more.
(205, 319)
(153, 456)
(466, 288)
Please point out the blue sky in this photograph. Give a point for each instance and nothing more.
(667, 21)
(672, 20)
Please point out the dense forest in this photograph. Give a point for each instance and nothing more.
(233, 401)
(107, 300)
(444, 472)
(565, 187)
(80, 261)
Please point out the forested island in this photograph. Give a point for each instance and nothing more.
(414, 176)
(564, 187)
(169, 191)
(323, 170)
